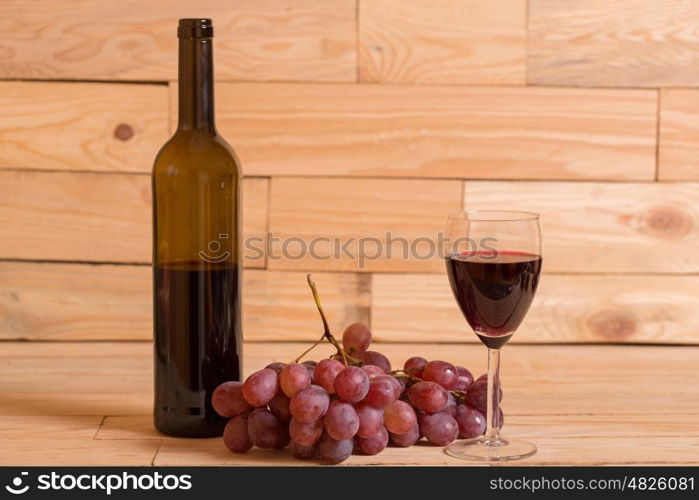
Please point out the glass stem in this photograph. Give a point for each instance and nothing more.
(492, 432)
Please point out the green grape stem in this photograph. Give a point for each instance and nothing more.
(347, 359)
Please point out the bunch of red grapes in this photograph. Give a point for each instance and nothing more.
(351, 403)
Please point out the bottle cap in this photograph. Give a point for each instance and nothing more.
(195, 28)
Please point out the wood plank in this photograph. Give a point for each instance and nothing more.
(613, 43)
(29, 427)
(535, 360)
(75, 302)
(45, 301)
(440, 132)
(279, 305)
(552, 451)
(597, 426)
(92, 217)
(115, 379)
(132, 40)
(81, 126)
(522, 426)
(364, 216)
(255, 219)
(679, 135)
(568, 308)
(87, 452)
(469, 42)
(605, 227)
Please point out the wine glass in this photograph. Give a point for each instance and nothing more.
(493, 260)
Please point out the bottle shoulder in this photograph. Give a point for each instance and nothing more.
(190, 149)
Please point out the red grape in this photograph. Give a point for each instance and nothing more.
(408, 439)
(373, 371)
(325, 373)
(276, 366)
(375, 444)
(341, 421)
(397, 384)
(266, 430)
(352, 384)
(283, 438)
(440, 429)
(477, 395)
(311, 367)
(450, 408)
(306, 434)
(381, 393)
(440, 372)
(293, 378)
(463, 380)
(279, 405)
(370, 420)
(415, 366)
(399, 417)
(333, 451)
(309, 404)
(302, 452)
(260, 387)
(228, 400)
(471, 422)
(235, 435)
(356, 338)
(482, 377)
(428, 396)
(401, 386)
(290, 404)
(375, 358)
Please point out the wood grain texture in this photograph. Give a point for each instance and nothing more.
(133, 40)
(45, 301)
(279, 305)
(445, 132)
(522, 426)
(49, 427)
(75, 302)
(86, 452)
(567, 308)
(558, 396)
(605, 227)
(81, 126)
(613, 43)
(450, 41)
(552, 451)
(678, 156)
(115, 379)
(93, 217)
(352, 224)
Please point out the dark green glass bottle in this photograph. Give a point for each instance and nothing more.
(197, 260)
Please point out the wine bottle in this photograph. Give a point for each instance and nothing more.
(197, 256)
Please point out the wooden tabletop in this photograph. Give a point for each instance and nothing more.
(89, 403)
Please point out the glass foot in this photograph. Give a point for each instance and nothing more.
(495, 450)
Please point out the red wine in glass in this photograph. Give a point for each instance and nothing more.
(494, 291)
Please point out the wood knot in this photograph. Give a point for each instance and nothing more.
(612, 325)
(123, 132)
(667, 222)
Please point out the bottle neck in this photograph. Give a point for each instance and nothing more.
(196, 85)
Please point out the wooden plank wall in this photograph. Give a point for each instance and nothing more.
(354, 118)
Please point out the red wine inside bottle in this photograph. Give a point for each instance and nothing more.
(196, 252)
